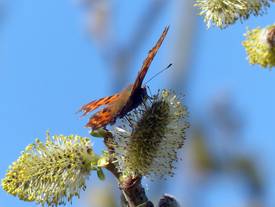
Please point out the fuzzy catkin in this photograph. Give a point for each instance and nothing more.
(148, 145)
(51, 173)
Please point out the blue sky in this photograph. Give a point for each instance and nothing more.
(49, 68)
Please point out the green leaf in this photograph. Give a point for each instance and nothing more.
(100, 133)
(100, 174)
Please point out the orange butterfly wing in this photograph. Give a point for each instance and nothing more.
(109, 113)
(97, 103)
(147, 62)
(121, 103)
(102, 118)
(138, 93)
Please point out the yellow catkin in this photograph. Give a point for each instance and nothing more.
(222, 13)
(51, 173)
(259, 46)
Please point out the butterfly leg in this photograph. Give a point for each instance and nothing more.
(129, 121)
(144, 103)
(149, 91)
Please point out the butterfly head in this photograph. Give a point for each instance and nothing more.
(139, 95)
(143, 92)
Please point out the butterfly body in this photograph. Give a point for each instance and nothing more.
(119, 104)
(134, 100)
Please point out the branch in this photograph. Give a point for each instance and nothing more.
(134, 193)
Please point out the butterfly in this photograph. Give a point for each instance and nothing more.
(119, 104)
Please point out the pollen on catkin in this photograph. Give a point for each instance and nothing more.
(150, 137)
(260, 46)
(51, 173)
(226, 12)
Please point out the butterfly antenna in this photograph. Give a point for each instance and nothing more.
(150, 92)
(159, 73)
